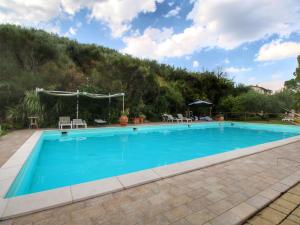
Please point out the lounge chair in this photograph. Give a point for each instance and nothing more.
(64, 121)
(164, 117)
(100, 121)
(78, 123)
(182, 118)
(205, 118)
(289, 117)
(195, 118)
(172, 119)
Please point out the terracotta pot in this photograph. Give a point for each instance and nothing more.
(141, 119)
(220, 118)
(136, 120)
(123, 120)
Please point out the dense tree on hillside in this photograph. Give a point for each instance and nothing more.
(32, 58)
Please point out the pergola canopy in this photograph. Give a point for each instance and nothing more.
(78, 93)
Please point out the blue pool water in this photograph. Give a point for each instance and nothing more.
(86, 155)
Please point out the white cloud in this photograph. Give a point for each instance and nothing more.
(195, 64)
(116, 14)
(73, 30)
(171, 3)
(237, 69)
(187, 57)
(28, 12)
(225, 24)
(145, 45)
(277, 50)
(173, 12)
(226, 61)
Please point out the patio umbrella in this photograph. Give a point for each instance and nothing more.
(201, 102)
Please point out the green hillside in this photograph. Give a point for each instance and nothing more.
(34, 58)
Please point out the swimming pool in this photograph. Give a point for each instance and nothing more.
(85, 155)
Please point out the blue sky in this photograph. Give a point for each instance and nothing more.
(255, 42)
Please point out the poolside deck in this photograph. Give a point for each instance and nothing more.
(226, 194)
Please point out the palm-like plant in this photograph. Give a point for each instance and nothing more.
(29, 106)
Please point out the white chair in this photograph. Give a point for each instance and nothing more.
(64, 121)
(182, 118)
(78, 123)
(289, 117)
(171, 118)
(164, 117)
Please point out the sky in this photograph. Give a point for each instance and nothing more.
(255, 42)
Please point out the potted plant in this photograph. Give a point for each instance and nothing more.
(136, 120)
(220, 117)
(124, 118)
(142, 118)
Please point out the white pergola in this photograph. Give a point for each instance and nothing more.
(78, 93)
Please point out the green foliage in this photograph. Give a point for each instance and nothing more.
(33, 58)
(293, 85)
(255, 102)
(29, 106)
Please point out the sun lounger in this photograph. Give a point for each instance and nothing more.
(78, 123)
(206, 118)
(64, 121)
(288, 119)
(164, 117)
(182, 118)
(100, 121)
(172, 119)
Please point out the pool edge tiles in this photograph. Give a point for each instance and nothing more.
(11, 168)
(38, 201)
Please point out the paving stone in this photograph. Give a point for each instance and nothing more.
(286, 204)
(272, 215)
(180, 200)
(220, 207)
(270, 193)
(200, 217)
(295, 190)
(279, 208)
(243, 210)
(258, 201)
(257, 220)
(177, 213)
(228, 218)
(289, 222)
(181, 222)
(294, 218)
(198, 204)
(216, 196)
(291, 198)
(296, 212)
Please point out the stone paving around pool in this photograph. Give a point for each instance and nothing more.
(227, 193)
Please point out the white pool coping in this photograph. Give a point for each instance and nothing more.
(26, 204)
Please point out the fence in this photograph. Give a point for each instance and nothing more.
(248, 116)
